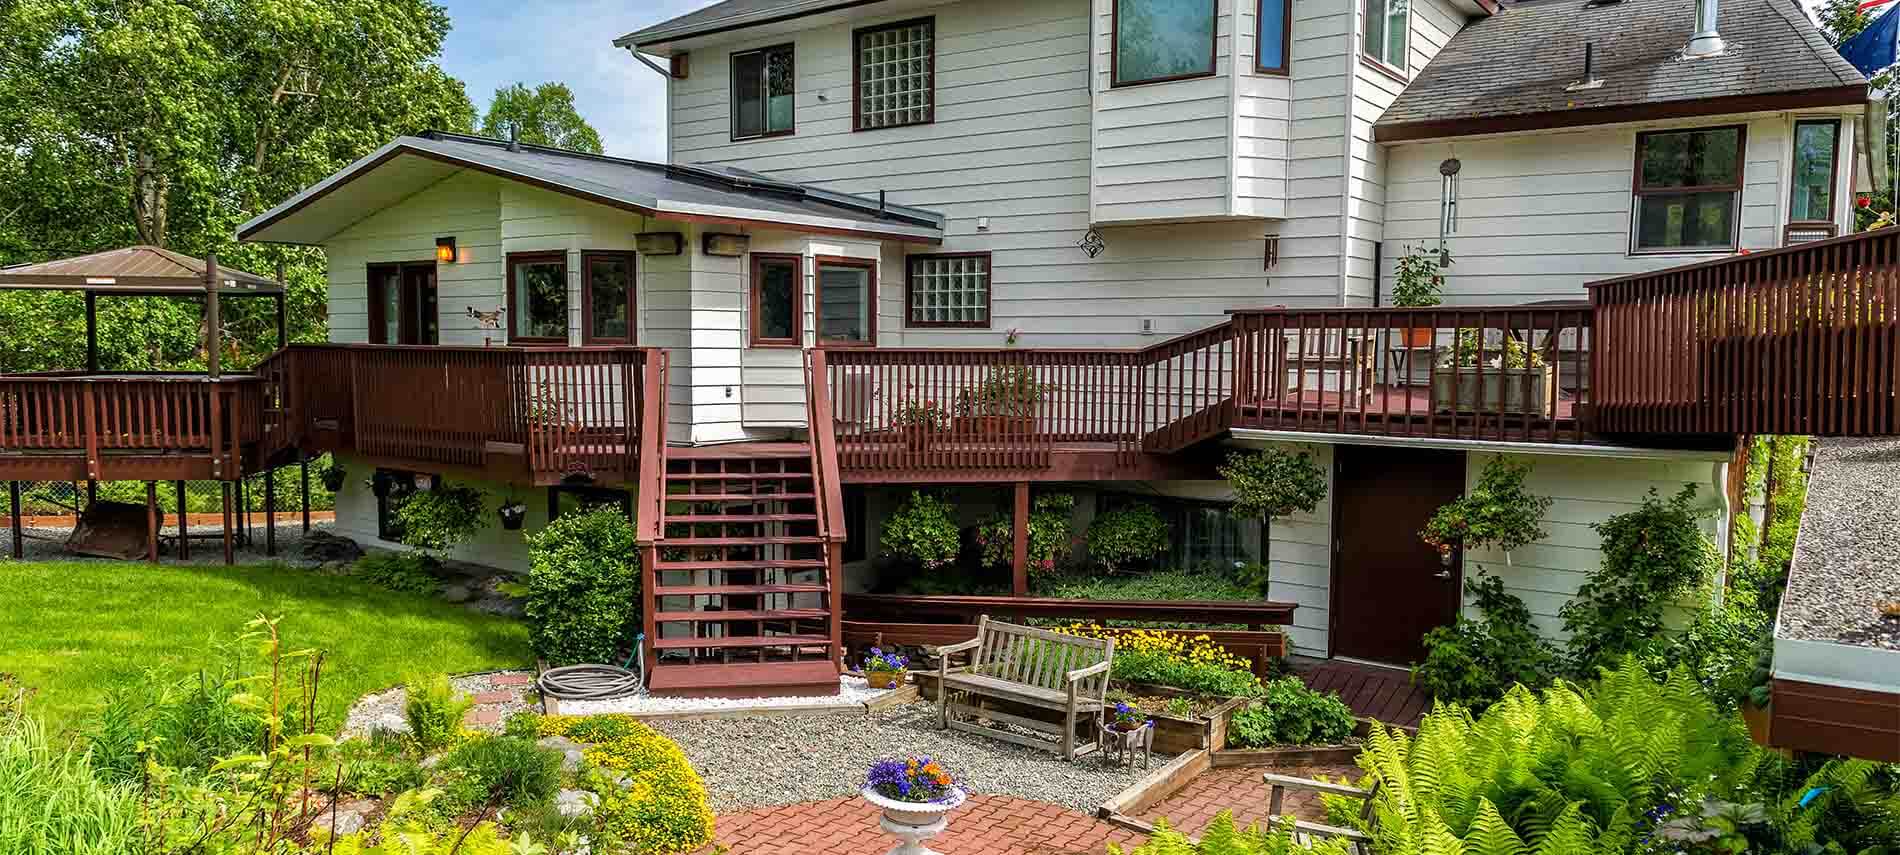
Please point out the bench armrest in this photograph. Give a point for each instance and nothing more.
(959, 647)
(1090, 671)
(1293, 783)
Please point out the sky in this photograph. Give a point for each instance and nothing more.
(495, 43)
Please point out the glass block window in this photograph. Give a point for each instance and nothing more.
(948, 290)
(896, 74)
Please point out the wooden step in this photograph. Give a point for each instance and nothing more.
(736, 497)
(742, 451)
(790, 540)
(740, 518)
(735, 590)
(737, 476)
(717, 616)
(766, 564)
(741, 641)
(812, 677)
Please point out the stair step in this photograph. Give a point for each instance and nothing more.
(765, 564)
(735, 590)
(742, 451)
(736, 497)
(739, 641)
(736, 476)
(716, 616)
(745, 679)
(790, 540)
(740, 518)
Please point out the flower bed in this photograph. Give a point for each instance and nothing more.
(651, 800)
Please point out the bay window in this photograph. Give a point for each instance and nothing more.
(1158, 40)
(1688, 190)
(607, 298)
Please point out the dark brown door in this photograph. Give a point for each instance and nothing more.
(1389, 588)
(419, 315)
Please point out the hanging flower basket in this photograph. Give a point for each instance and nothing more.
(512, 515)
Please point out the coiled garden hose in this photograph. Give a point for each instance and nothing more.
(591, 682)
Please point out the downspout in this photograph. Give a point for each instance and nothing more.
(1345, 155)
(1718, 475)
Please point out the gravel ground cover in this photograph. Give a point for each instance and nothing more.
(765, 761)
(49, 544)
(384, 710)
(1846, 569)
(851, 690)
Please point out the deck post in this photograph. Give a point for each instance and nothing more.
(283, 329)
(1019, 583)
(13, 498)
(151, 522)
(92, 494)
(214, 347)
(184, 524)
(225, 488)
(270, 512)
(92, 333)
(303, 474)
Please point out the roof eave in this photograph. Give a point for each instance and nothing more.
(661, 34)
(1617, 114)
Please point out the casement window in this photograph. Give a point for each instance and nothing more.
(894, 75)
(1200, 534)
(777, 299)
(947, 290)
(1273, 37)
(1816, 152)
(537, 297)
(1159, 40)
(847, 300)
(1688, 190)
(1388, 28)
(764, 88)
(402, 303)
(607, 297)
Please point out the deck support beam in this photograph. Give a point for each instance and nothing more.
(229, 557)
(1019, 582)
(303, 481)
(184, 524)
(270, 512)
(19, 534)
(151, 522)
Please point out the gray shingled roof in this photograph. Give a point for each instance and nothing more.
(727, 14)
(1519, 61)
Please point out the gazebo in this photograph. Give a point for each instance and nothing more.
(140, 426)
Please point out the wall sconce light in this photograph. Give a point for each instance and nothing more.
(445, 250)
(724, 244)
(657, 243)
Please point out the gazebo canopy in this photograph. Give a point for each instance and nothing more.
(133, 271)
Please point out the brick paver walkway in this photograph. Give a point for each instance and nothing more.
(1239, 789)
(986, 825)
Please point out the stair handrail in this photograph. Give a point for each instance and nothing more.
(824, 447)
(649, 527)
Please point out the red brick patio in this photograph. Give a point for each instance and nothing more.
(1239, 789)
(986, 825)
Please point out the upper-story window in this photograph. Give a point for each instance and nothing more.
(763, 90)
(1156, 40)
(948, 290)
(537, 297)
(1388, 26)
(1815, 142)
(894, 74)
(1688, 189)
(1272, 37)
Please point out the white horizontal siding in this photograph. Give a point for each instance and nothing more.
(1299, 563)
(465, 206)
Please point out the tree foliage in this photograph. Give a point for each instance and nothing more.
(544, 115)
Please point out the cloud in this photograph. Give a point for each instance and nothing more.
(495, 43)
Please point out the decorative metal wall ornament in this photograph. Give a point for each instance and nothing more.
(1447, 207)
(1092, 243)
(488, 320)
(1271, 256)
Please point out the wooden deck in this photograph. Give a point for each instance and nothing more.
(1378, 692)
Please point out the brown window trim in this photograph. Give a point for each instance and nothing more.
(1286, 39)
(798, 301)
(1741, 181)
(989, 293)
(588, 257)
(1401, 74)
(518, 258)
(1833, 171)
(869, 266)
(378, 321)
(733, 125)
(857, 73)
(1114, 63)
(1378, 66)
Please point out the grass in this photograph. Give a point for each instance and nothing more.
(72, 630)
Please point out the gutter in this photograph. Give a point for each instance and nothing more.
(1852, 95)
(661, 33)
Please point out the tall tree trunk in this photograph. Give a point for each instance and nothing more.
(1768, 494)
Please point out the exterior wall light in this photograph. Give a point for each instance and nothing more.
(445, 250)
(657, 243)
(725, 244)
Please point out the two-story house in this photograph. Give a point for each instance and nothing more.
(997, 247)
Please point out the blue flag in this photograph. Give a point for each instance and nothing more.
(1872, 49)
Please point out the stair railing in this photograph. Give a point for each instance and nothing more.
(827, 489)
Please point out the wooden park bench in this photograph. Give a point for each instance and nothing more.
(1023, 665)
(1305, 832)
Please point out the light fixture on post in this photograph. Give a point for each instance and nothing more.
(445, 250)
(657, 243)
(724, 244)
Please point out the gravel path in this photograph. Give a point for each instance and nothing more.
(851, 690)
(384, 710)
(1848, 563)
(764, 761)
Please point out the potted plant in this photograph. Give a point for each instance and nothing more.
(884, 670)
(1756, 699)
(1003, 403)
(1049, 534)
(1418, 284)
(916, 796)
(917, 421)
(512, 513)
(1508, 378)
(1498, 512)
(332, 476)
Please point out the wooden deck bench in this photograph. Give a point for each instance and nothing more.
(1304, 832)
(1033, 667)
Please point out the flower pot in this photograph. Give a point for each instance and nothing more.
(1511, 391)
(1757, 720)
(512, 516)
(1418, 336)
(913, 822)
(333, 478)
(916, 437)
(884, 679)
(994, 426)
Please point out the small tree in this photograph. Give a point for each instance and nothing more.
(1273, 483)
(1498, 512)
(583, 586)
(1416, 281)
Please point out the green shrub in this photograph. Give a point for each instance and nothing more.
(1473, 662)
(583, 587)
(1221, 838)
(1652, 556)
(1127, 537)
(664, 811)
(413, 827)
(434, 711)
(1498, 512)
(185, 724)
(1251, 726)
(372, 767)
(407, 572)
(1289, 713)
(1160, 585)
(438, 519)
(53, 803)
(1274, 483)
(1201, 678)
(922, 532)
(518, 770)
(1049, 536)
(1855, 808)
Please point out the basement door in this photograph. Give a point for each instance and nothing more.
(1388, 587)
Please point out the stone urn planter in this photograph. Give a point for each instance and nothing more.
(913, 822)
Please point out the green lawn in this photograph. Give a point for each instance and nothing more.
(72, 630)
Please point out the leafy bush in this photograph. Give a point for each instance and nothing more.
(407, 572)
(517, 770)
(1161, 585)
(665, 809)
(922, 532)
(1652, 556)
(1291, 714)
(1417, 280)
(1006, 390)
(1049, 536)
(1130, 536)
(438, 519)
(523, 725)
(412, 827)
(1196, 664)
(53, 803)
(372, 767)
(1855, 807)
(1498, 512)
(1221, 838)
(1472, 662)
(1273, 483)
(434, 711)
(583, 587)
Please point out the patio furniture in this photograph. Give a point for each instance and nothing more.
(1305, 832)
(1334, 361)
(1027, 667)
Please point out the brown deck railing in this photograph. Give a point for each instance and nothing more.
(566, 410)
(130, 413)
(1798, 340)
